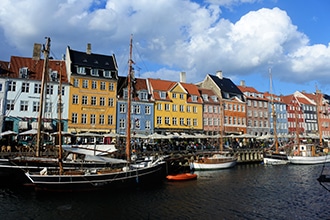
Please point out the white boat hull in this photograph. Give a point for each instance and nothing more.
(272, 161)
(309, 160)
(204, 166)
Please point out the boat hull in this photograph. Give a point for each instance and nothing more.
(275, 159)
(99, 181)
(213, 165)
(182, 177)
(309, 159)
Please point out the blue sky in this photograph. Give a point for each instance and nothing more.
(243, 38)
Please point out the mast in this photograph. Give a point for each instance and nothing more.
(222, 121)
(60, 156)
(318, 110)
(273, 111)
(41, 102)
(129, 100)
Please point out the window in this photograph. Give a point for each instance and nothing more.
(194, 98)
(25, 87)
(159, 120)
(147, 110)
(174, 121)
(49, 89)
(23, 72)
(10, 104)
(84, 100)
(167, 107)
(111, 87)
(83, 119)
(107, 73)
(122, 108)
(93, 100)
(85, 84)
(147, 125)
(35, 107)
(110, 102)
(102, 86)
(74, 99)
(182, 121)
(37, 88)
(194, 109)
(181, 96)
(174, 108)
(94, 84)
(137, 123)
(188, 121)
(95, 72)
(173, 95)
(76, 83)
(122, 123)
(12, 86)
(101, 120)
(162, 94)
(110, 119)
(102, 101)
(181, 108)
(93, 119)
(48, 106)
(167, 120)
(136, 109)
(159, 106)
(188, 109)
(74, 118)
(24, 106)
(81, 70)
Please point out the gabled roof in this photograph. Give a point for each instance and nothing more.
(99, 61)
(226, 86)
(158, 85)
(192, 90)
(138, 84)
(35, 67)
(209, 93)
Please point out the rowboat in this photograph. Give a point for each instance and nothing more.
(182, 177)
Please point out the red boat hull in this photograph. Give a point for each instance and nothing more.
(182, 177)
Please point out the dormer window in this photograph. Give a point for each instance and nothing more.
(162, 94)
(143, 96)
(107, 73)
(194, 98)
(54, 75)
(95, 72)
(125, 94)
(23, 72)
(205, 97)
(81, 70)
(214, 98)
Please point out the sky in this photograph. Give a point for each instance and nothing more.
(245, 39)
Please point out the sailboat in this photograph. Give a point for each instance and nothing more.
(218, 160)
(117, 176)
(276, 157)
(306, 153)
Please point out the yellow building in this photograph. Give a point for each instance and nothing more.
(93, 91)
(178, 106)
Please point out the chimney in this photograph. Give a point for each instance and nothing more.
(242, 83)
(36, 51)
(219, 74)
(183, 77)
(89, 48)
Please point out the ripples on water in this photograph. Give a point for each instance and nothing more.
(243, 192)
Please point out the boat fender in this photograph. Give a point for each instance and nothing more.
(125, 169)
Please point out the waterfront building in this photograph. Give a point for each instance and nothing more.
(178, 106)
(294, 114)
(142, 114)
(93, 91)
(211, 112)
(232, 102)
(23, 87)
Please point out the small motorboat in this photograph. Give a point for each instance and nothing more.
(182, 177)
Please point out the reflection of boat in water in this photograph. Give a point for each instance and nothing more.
(182, 177)
(216, 161)
(124, 175)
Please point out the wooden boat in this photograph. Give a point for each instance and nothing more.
(128, 175)
(182, 177)
(215, 162)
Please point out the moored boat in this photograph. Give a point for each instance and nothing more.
(215, 162)
(182, 177)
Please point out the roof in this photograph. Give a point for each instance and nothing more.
(226, 86)
(4, 67)
(209, 93)
(192, 90)
(35, 67)
(138, 84)
(157, 85)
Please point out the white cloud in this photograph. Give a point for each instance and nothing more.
(174, 35)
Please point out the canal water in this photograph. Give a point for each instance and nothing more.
(243, 192)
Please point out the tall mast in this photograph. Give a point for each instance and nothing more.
(129, 97)
(273, 111)
(60, 156)
(318, 110)
(222, 121)
(41, 102)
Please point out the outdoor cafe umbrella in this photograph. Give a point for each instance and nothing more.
(8, 133)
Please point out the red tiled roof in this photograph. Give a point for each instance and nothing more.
(35, 67)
